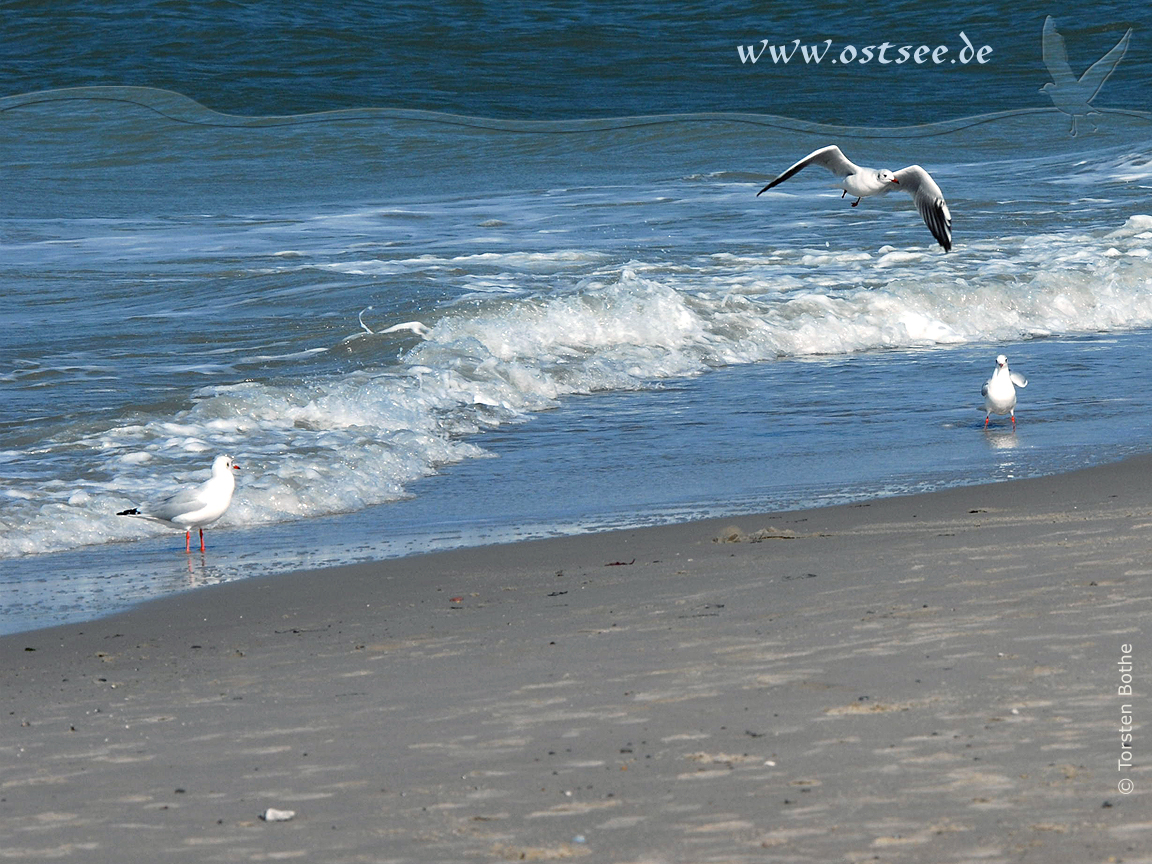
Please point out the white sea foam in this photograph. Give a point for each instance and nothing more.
(1134, 225)
(1124, 168)
(341, 441)
(537, 262)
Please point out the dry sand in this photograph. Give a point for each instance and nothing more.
(924, 679)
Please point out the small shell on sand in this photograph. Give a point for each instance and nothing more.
(274, 815)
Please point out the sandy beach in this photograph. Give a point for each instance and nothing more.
(932, 678)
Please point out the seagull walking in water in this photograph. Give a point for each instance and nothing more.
(1072, 95)
(866, 182)
(195, 506)
(999, 391)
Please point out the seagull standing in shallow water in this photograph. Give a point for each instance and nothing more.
(196, 506)
(866, 182)
(999, 391)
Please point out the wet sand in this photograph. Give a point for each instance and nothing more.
(932, 678)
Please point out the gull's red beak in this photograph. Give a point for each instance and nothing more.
(894, 180)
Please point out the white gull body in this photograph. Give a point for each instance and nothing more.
(999, 391)
(195, 506)
(866, 182)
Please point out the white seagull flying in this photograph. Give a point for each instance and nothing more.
(999, 391)
(195, 506)
(866, 182)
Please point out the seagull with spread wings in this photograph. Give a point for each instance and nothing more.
(866, 182)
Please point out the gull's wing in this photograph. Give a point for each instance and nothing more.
(828, 157)
(1055, 54)
(184, 501)
(1099, 71)
(984, 389)
(929, 200)
(416, 327)
(1018, 379)
(919, 184)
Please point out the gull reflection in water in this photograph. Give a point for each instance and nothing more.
(1001, 439)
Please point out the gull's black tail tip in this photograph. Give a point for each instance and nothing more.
(132, 512)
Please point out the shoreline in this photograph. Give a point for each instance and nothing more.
(918, 677)
(741, 460)
(155, 556)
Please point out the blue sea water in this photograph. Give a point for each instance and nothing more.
(209, 213)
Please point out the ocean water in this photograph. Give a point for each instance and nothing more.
(210, 215)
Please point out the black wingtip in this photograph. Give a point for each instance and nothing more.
(765, 189)
(131, 512)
